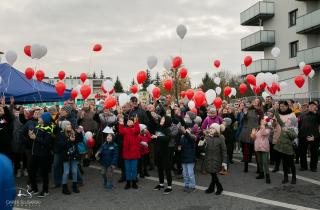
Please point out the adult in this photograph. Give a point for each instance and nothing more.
(212, 117)
(85, 118)
(136, 110)
(309, 136)
(104, 119)
(6, 128)
(267, 104)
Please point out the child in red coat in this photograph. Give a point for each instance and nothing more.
(130, 149)
(145, 138)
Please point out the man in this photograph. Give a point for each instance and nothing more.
(309, 136)
(137, 110)
(68, 113)
(85, 118)
(267, 104)
(6, 128)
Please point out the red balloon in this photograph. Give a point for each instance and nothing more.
(183, 72)
(217, 102)
(243, 88)
(299, 80)
(103, 90)
(199, 98)
(251, 79)
(97, 47)
(256, 89)
(110, 102)
(263, 86)
(167, 84)
(194, 110)
(90, 143)
(247, 61)
(29, 72)
(83, 77)
(176, 62)
(134, 89)
(227, 91)
(74, 94)
(111, 91)
(85, 91)
(307, 69)
(190, 94)
(61, 75)
(141, 77)
(156, 92)
(40, 75)
(182, 94)
(60, 88)
(27, 50)
(216, 63)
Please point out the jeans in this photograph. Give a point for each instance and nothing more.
(66, 169)
(57, 168)
(188, 175)
(131, 169)
(107, 175)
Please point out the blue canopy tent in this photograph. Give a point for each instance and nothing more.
(14, 83)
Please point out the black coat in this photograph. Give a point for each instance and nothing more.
(188, 144)
(68, 148)
(41, 146)
(162, 159)
(24, 132)
(309, 125)
(6, 129)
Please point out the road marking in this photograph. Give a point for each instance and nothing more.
(281, 172)
(232, 194)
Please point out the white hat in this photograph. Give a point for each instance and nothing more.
(108, 130)
(217, 127)
(142, 127)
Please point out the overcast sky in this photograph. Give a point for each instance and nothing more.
(129, 30)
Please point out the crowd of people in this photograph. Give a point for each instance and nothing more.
(136, 138)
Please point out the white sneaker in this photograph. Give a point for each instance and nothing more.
(19, 173)
(25, 172)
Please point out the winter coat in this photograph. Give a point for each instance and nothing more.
(6, 128)
(69, 148)
(240, 124)
(142, 115)
(16, 143)
(109, 153)
(209, 120)
(249, 121)
(41, 146)
(309, 125)
(131, 141)
(145, 138)
(188, 146)
(162, 159)
(104, 120)
(276, 133)
(7, 183)
(285, 144)
(261, 143)
(87, 121)
(24, 132)
(216, 153)
(229, 136)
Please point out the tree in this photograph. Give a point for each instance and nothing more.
(133, 82)
(101, 75)
(94, 75)
(118, 86)
(146, 83)
(207, 83)
(157, 79)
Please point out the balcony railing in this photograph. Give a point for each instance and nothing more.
(309, 23)
(309, 56)
(258, 41)
(262, 65)
(262, 10)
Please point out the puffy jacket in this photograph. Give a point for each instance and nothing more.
(285, 142)
(188, 145)
(108, 154)
(145, 138)
(209, 120)
(41, 146)
(261, 143)
(131, 141)
(68, 148)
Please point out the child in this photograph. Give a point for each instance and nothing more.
(216, 155)
(131, 149)
(229, 136)
(145, 138)
(262, 148)
(108, 157)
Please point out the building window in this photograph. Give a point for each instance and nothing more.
(292, 18)
(294, 49)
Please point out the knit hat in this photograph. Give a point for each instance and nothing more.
(46, 117)
(52, 109)
(67, 108)
(212, 109)
(217, 127)
(198, 120)
(142, 127)
(227, 120)
(108, 130)
(63, 124)
(191, 115)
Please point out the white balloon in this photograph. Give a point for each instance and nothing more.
(210, 96)
(191, 104)
(43, 51)
(301, 65)
(265, 95)
(150, 88)
(108, 85)
(233, 92)
(217, 80)
(275, 52)
(123, 99)
(88, 134)
(268, 79)
(152, 61)
(11, 57)
(36, 51)
(167, 64)
(311, 74)
(260, 79)
(78, 88)
(218, 90)
(181, 31)
(276, 78)
(283, 85)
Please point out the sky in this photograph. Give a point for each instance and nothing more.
(130, 31)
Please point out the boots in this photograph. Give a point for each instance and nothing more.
(268, 180)
(65, 189)
(260, 176)
(210, 188)
(285, 178)
(75, 187)
(128, 185)
(134, 185)
(246, 164)
(219, 187)
(294, 179)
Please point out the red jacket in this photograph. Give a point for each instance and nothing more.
(145, 138)
(131, 141)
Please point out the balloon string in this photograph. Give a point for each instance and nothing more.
(90, 62)
(6, 89)
(181, 47)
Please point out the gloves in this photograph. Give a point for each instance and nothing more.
(201, 143)
(144, 143)
(225, 166)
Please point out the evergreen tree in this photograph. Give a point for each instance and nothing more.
(157, 80)
(133, 82)
(146, 83)
(94, 75)
(207, 83)
(118, 86)
(101, 75)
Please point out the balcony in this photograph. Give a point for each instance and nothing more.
(258, 41)
(262, 10)
(262, 65)
(309, 23)
(309, 56)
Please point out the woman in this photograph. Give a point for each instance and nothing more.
(68, 141)
(251, 119)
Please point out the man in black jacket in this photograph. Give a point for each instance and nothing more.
(136, 110)
(309, 125)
